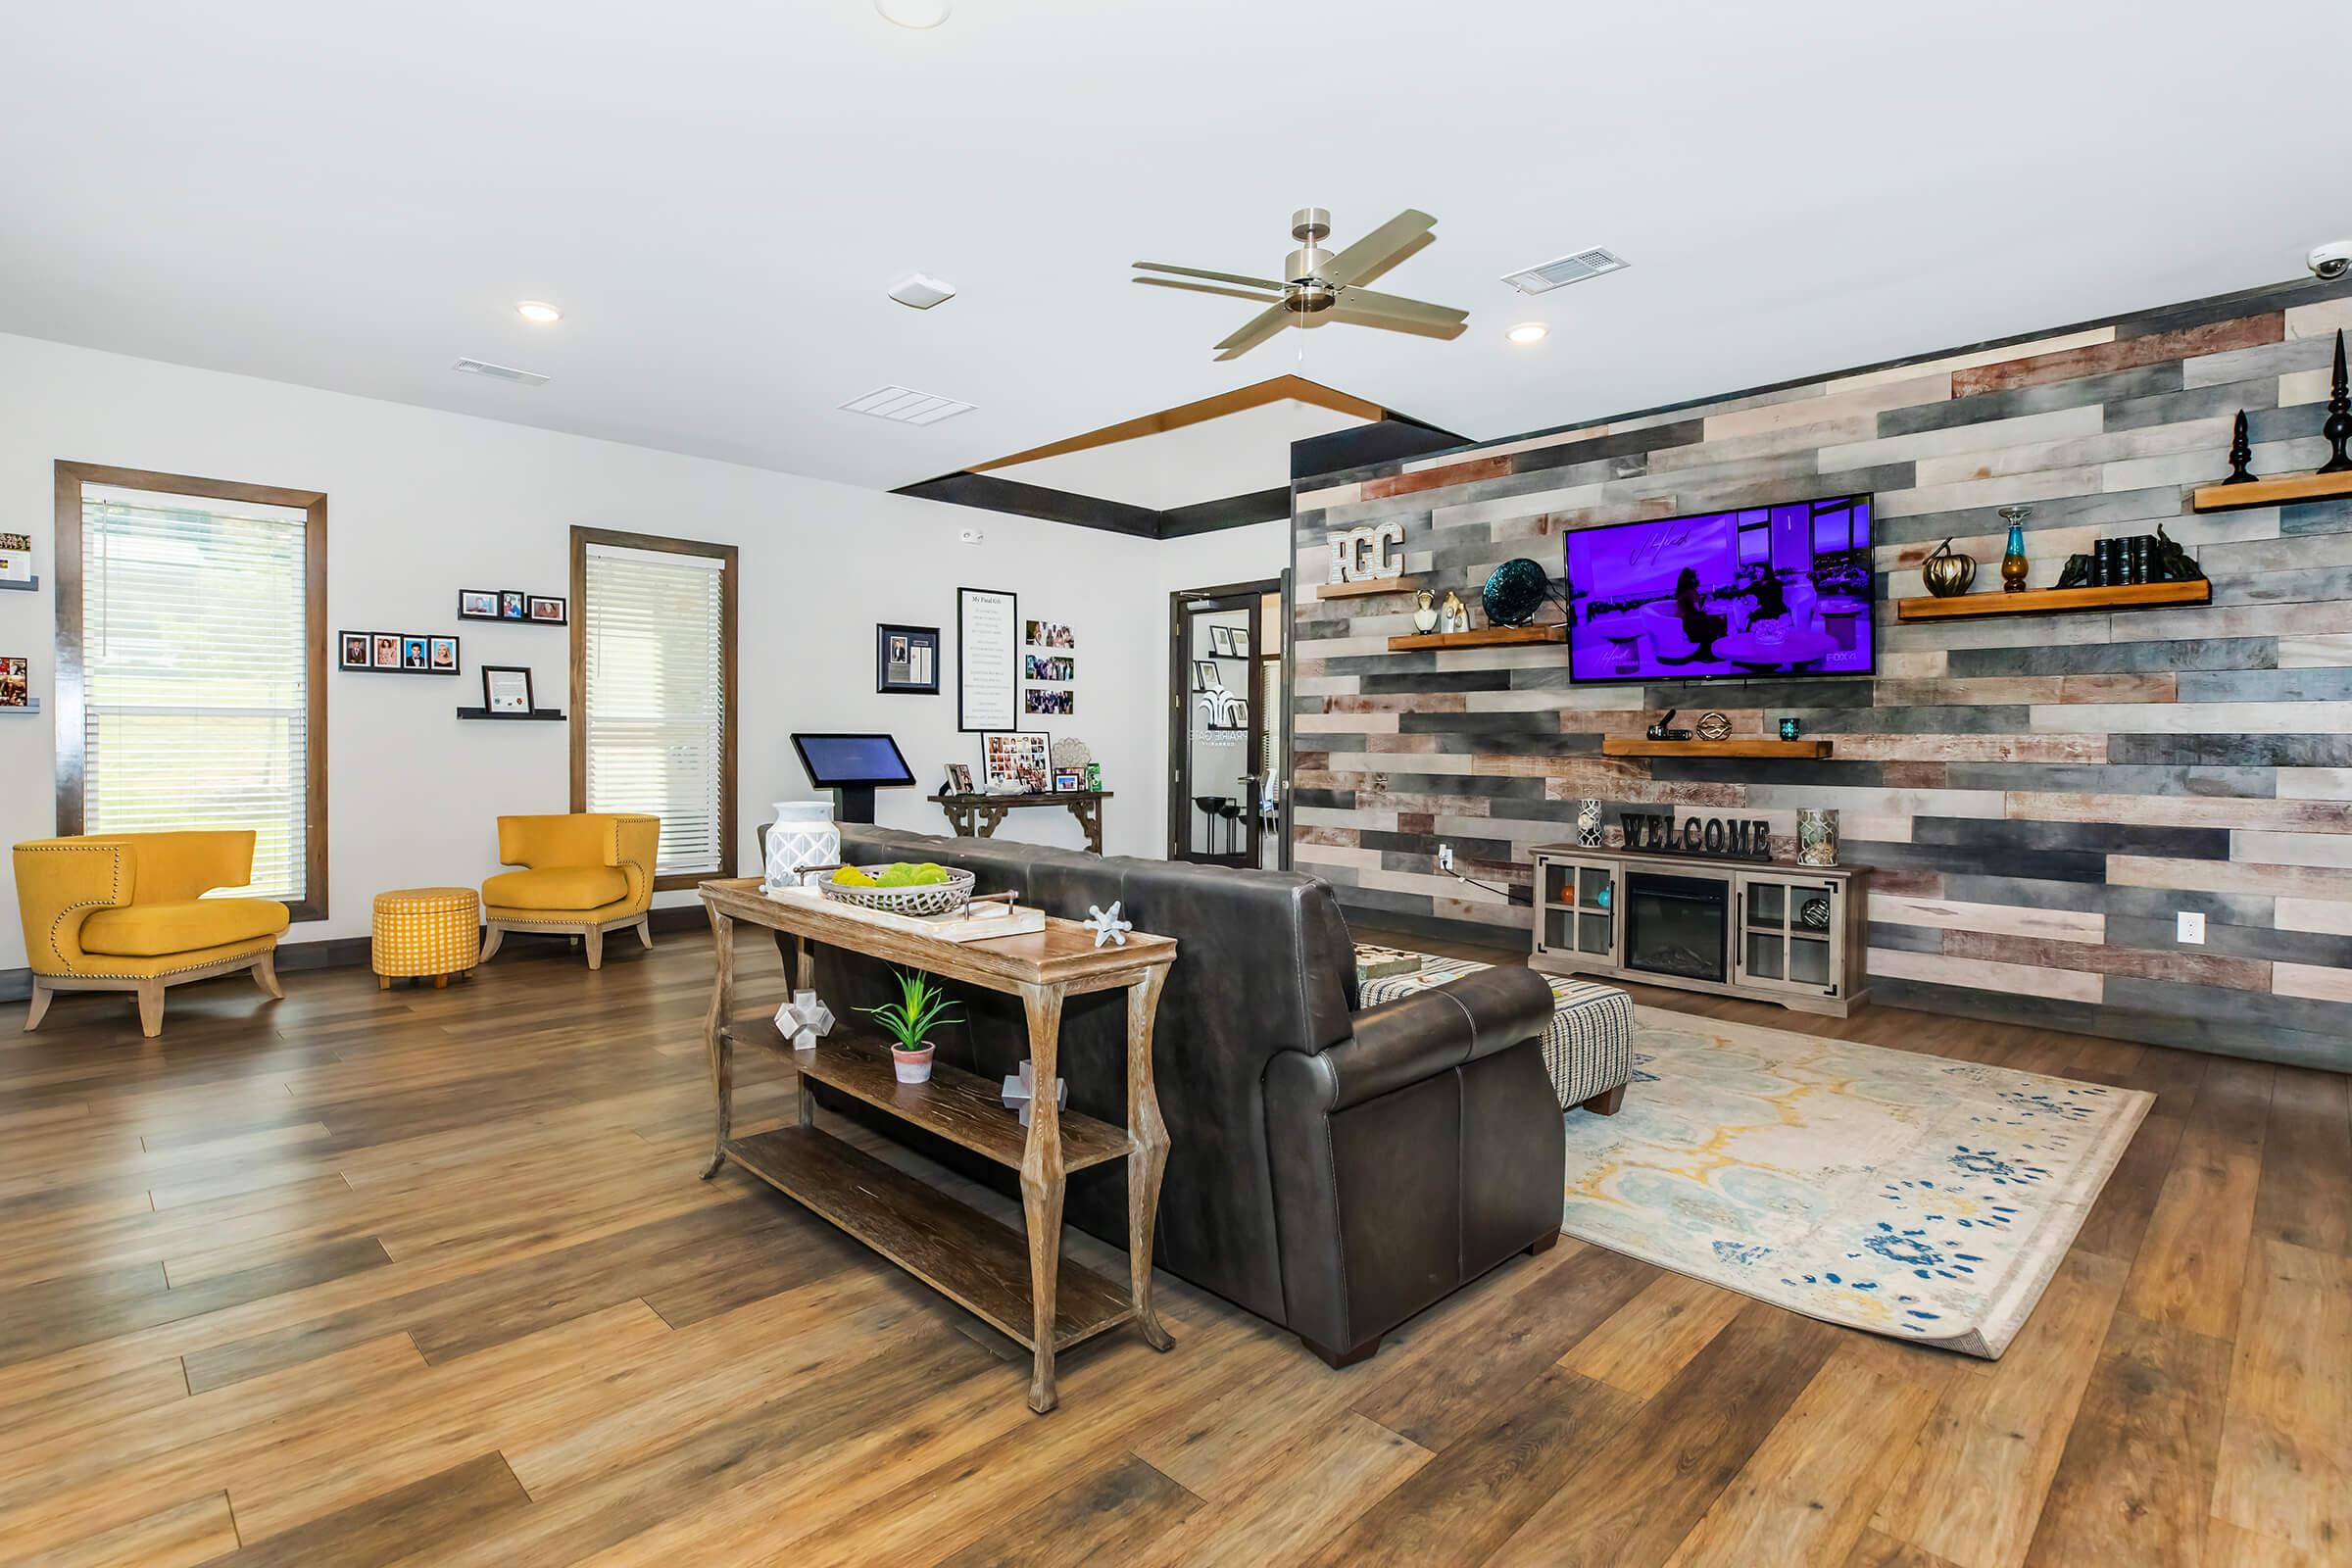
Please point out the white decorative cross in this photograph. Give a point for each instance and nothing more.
(803, 1020)
(1107, 926)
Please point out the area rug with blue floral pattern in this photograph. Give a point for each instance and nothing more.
(1912, 1195)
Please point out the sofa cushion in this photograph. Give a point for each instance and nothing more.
(557, 887)
(179, 925)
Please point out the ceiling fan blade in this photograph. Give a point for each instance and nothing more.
(1428, 238)
(1260, 327)
(1380, 248)
(1210, 288)
(1397, 306)
(1218, 277)
(1342, 314)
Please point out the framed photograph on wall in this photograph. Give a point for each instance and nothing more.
(358, 649)
(1221, 641)
(987, 672)
(548, 610)
(478, 603)
(416, 652)
(907, 660)
(387, 651)
(1021, 758)
(441, 660)
(514, 605)
(1205, 674)
(1241, 642)
(507, 691)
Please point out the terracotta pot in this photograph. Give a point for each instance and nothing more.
(912, 1066)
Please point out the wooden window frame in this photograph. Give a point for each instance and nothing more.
(581, 539)
(73, 695)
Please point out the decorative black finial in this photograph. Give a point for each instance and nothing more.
(2241, 452)
(2338, 428)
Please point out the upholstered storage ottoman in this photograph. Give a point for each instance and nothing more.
(421, 931)
(1589, 1049)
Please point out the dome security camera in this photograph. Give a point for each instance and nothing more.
(2331, 260)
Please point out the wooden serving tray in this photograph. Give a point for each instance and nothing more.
(962, 926)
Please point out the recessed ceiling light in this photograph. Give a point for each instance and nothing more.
(914, 13)
(538, 312)
(1528, 332)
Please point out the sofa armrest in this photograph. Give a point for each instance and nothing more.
(1404, 1041)
(59, 882)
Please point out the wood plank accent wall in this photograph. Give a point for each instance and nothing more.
(2040, 794)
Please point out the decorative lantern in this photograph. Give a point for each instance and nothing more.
(1817, 836)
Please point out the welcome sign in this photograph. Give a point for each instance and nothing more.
(1715, 837)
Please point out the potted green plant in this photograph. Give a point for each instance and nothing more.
(909, 1022)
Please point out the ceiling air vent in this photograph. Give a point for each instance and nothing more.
(502, 373)
(1567, 269)
(907, 406)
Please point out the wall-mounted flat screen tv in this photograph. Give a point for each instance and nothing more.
(1758, 591)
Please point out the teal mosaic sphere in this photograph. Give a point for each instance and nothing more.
(1514, 592)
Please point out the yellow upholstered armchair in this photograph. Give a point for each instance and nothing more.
(585, 873)
(126, 911)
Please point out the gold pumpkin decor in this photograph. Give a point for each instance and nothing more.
(1947, 572)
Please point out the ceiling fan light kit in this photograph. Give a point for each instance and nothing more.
(1318, 285)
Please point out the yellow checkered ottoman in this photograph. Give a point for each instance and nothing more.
(421, 931)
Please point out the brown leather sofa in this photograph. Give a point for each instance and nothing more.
(1332, 1170)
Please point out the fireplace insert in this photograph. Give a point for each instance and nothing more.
(1677, 925)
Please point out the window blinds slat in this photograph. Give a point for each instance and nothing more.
(652, 630)
(195, 679)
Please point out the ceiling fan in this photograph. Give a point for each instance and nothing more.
(1318, 286)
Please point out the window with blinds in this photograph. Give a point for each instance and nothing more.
(194, 682)
(654, 650)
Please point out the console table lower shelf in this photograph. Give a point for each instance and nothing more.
(975, 1263)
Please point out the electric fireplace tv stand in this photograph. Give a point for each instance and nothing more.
(1769, 932)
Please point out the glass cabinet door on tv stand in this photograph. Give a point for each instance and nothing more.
(1578, 910)
(1791, 932)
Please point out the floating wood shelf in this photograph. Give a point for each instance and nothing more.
(1355, 590)
(2057, 601)
(2272, 492)
(549, 715)
(29, 585)
(1482, 637)
(1736, 746)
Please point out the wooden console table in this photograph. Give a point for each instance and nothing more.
(1034, 1295)
(978, 816)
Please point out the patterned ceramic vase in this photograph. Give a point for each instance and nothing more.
(1817, 836)
(1588, 824)
(804, 835)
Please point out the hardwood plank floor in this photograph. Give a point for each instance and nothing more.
(426, 1277)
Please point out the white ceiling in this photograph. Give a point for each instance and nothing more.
(1232, 455)
(717, 192)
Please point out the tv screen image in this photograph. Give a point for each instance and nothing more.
(1756, 591)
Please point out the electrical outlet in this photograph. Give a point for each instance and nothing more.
(1445, 856)
(2191, 927)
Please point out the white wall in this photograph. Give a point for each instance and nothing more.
(423, 503)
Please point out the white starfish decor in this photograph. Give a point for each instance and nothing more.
(803, 1020)
(1106, 925)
